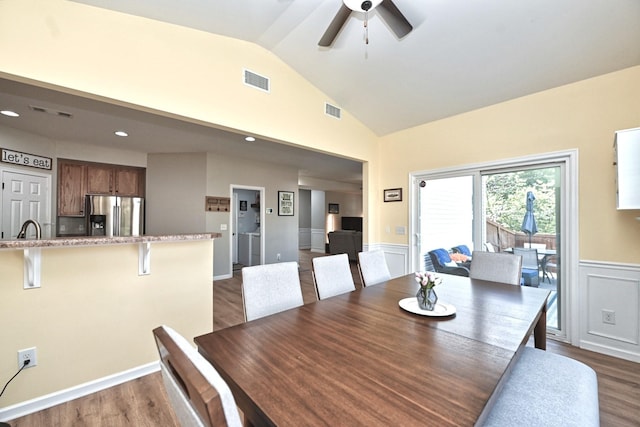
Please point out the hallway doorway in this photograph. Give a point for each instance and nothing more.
(247, 243)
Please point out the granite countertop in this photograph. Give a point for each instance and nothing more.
(101, 240)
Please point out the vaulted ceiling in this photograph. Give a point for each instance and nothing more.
(461, 55)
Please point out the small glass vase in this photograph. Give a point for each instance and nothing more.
(427, 299)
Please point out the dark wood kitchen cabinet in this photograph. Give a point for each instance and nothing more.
(77, 179)
(129, 181)
(72, 178)
(115, 180)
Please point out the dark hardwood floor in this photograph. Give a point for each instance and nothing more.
(143, 402)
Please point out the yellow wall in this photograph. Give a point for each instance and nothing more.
(198, 76)
(172, 70)
(146, 63)
(93, 315)
(581, 116)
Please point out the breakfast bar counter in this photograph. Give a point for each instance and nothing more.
(88, 305)
(101, 240)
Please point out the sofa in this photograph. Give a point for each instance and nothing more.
(345, 242)
(443, 263)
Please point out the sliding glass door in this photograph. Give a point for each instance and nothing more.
(446, 213)
(496, 208)
(522, 210)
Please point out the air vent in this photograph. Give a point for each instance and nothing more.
(50, 111)
(38, 109)
(332, 110)
(256, 80)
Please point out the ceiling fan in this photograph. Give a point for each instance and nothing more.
(388, 11)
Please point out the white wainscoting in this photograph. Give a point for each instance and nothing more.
(612, 288)
(397, 257)
(318, 240)
(304, 238)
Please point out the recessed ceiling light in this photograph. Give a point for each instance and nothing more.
(9, 113)
(121, 133)
(249, 139)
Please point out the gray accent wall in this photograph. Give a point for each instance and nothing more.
(186, 179)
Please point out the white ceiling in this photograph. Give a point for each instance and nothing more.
(461, 55)
(94, 122)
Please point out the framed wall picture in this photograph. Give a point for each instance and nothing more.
(393, 195)
(334, 208)
(285, 203)
(243, 205)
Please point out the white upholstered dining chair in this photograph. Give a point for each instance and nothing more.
(270, 288)
(372, 267)
(332, 275)
(198, 394)
(500, 267)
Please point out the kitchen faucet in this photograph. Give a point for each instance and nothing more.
(23, 231)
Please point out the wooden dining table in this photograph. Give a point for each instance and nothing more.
(361, 359)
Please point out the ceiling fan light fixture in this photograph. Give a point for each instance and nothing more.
(361, 6)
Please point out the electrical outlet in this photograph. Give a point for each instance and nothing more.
(609, 316)
(29, 354)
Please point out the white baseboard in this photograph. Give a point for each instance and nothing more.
(43, 402)
(610, 351)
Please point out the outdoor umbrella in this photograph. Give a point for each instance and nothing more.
(529, 222)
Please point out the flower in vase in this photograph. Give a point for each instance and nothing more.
(427, 279)
(427, 298)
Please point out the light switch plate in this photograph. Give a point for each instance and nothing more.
(223, 227)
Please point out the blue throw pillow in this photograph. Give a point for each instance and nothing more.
(442, 255)
(463, 249)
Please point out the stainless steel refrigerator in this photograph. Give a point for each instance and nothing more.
(114, 216)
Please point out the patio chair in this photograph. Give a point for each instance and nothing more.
(547, 263)
(428, 264)
(530, 266)
(443, 263)
(537, 246)
(461, 249)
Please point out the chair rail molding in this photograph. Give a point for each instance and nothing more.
(610, 308)
(396, 255)
(304, 238)
(318, 240)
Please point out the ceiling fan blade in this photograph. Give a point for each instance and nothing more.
(335, 26)
(394, 18)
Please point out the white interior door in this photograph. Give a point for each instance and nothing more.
(25, 196)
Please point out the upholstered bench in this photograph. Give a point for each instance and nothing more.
(547, 389)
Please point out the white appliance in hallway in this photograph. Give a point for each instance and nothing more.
(249, 248)
(246, 227)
